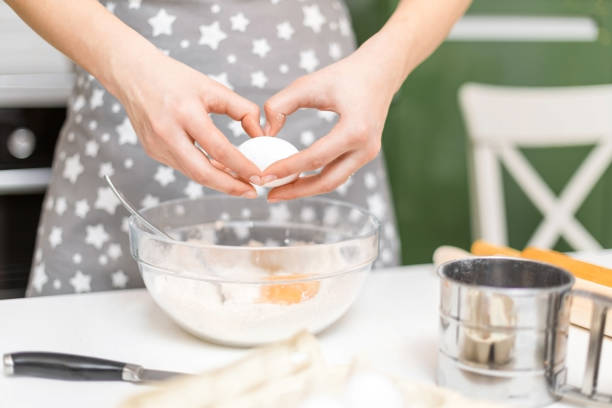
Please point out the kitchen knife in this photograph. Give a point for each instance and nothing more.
(78, 368)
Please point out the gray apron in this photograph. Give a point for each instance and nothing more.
(255, 47)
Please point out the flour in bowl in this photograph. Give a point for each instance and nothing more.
(272, 308)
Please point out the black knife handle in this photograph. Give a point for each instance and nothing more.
(63, 366)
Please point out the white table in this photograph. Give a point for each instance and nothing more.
(394, 324)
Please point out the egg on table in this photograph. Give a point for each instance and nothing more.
(265, 150)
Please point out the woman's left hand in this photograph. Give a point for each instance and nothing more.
(360, 92)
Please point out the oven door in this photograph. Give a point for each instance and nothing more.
(27, 142)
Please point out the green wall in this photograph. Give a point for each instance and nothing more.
(424, 138)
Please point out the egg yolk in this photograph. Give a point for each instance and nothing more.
(288, 293)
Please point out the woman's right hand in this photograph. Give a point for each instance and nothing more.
(168, 104)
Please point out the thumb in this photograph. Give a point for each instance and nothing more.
(299, 94)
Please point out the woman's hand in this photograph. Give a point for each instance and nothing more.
(360, 92)
(168, 104)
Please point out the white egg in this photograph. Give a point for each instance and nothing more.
(265, 150)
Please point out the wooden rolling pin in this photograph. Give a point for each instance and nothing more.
(589, 277)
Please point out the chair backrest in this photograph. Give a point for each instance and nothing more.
(500, 120)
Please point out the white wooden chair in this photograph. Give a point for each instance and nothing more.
(500, 120)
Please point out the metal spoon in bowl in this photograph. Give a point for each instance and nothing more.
(135, 212)
(149, 225)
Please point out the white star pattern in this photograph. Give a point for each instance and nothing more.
(231, 59)
(345, 26)
(215, 8)
(106, 169)
(259, 79)
(285, 30)
(307, 137)
(239, 22)
(49, 202)
(355, 215)
(308, 60)
(96, 235)
(149, 201)
(97, 99)
(55, 237)
(38, 255)
(78, 103)
(236, 128)
(126, 133)
(110, 6)
(60, 205)
(342, 189)
(77, 258)
(81, 282)
(377, 206)
(331, 215)
(114, 251)
(313, 18)
(193, 190)
(283, 68)
(93, 125)
(164, 175)
(91, 148)
(369, 180)
(162, 23)
(119, 279)
(81, 208)
(57, 284)
(308, 214)
(102, 259)
(335, 51)
(184, 43)
(70, 137)
(105, 137)
(106, 200)
(73, 168)
(128, 163)
(261, 47)
(116, 108)
(328, 116)
(279, 212)
(125, 224)
(211, 35)
(39, 277)
(222, 79)
(134, 4)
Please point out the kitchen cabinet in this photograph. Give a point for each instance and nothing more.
(425, 140)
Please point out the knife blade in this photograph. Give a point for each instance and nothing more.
(78, 368)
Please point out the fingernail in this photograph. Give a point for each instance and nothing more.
(269, 178)
(273, 200)
(256, 180)
(250, 194)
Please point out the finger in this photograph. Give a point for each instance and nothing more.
(229, 103)
(220, 166)
(202, 129)
(299, 94)
(319, 154)
(191, 162)
(332, 176)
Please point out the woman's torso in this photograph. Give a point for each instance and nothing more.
(255, 47)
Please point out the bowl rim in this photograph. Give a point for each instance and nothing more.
(374, 231)
(133, 222)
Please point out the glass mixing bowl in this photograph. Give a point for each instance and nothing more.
(245, 272)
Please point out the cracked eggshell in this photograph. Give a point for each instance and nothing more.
(265, 150)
